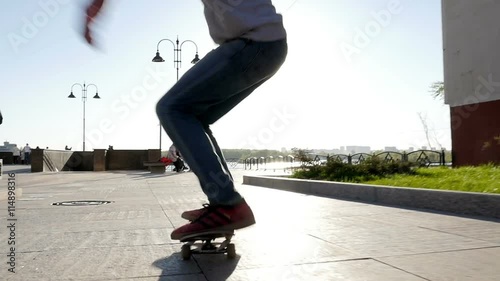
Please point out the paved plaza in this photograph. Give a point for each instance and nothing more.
(297, 237)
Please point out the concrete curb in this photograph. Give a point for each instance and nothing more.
(464, 203)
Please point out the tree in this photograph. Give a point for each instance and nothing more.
(437, 89)
(427, 131)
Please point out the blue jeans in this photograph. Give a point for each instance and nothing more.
(209, 90)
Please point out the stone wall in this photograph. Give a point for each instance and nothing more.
(98, 160)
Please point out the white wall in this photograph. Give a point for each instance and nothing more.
(471, 39)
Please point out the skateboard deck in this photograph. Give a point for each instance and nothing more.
(205, 244)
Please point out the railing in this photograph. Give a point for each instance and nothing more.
(424, 158)
(270, 163)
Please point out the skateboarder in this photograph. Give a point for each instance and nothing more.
(252, 47)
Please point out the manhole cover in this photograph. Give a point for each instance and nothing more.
(81, 203)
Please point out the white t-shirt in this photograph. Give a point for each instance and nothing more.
(251, 19)
(172, 153)
(27, 149)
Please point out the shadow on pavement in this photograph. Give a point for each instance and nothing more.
(140, 174)
(217, 267)
(214, 267)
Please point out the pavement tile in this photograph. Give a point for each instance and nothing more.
(354, 270)
(468, 265)
(92, 239)
(377, 240)
(297, 236)
(183, 277)
(106, 263)
(475, 228)
(489, 232)
(256, 247)
(96, 225)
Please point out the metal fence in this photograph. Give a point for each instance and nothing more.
(423, 158)
(270, 163)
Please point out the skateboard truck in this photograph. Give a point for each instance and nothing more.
(208, 246)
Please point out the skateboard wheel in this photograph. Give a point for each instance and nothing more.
(231, 251)
(186, 252)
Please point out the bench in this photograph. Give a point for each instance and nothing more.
(155, 167)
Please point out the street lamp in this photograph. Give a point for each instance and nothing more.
(177, 53)
(84, 98)
(177, 59)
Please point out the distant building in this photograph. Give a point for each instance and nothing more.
(411, 149)
(10, 147)
(391, 149)
(340, 151)
(328, 151)
(358, 149)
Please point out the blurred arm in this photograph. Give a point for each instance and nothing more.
(92, 11)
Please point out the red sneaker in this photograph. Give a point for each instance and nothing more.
(216, 219)
(194, 214)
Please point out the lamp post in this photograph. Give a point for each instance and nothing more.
(84, 99)
(177, 58)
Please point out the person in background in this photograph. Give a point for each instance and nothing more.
(175, 155)
(27, 154)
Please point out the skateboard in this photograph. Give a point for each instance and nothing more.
(205, 244)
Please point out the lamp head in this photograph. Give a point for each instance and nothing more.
(158, 58)
(196, 59)
(97, 96)
(71, 96)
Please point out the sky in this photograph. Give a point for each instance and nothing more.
(357, 74)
